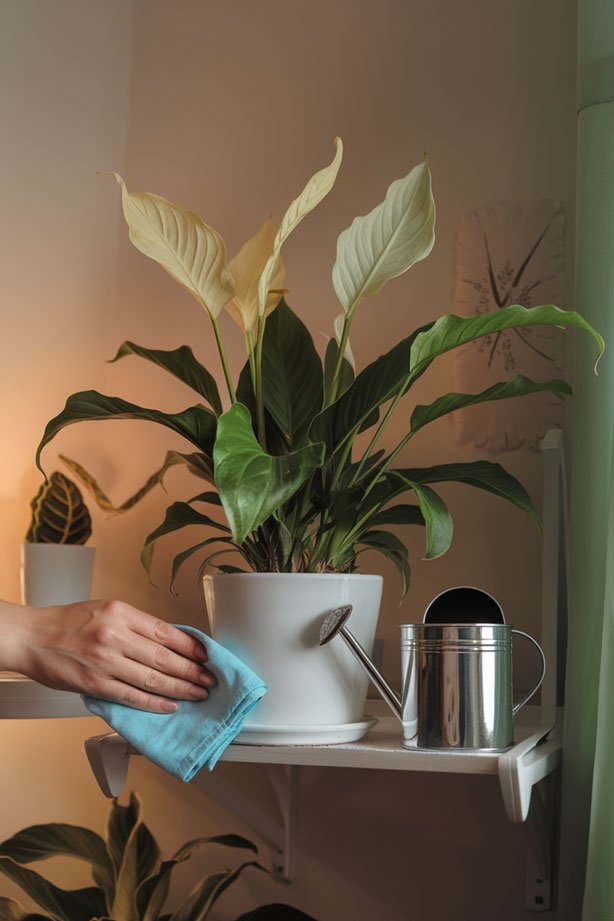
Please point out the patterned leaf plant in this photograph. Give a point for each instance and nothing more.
(59, 514)
(131, 880)
(283, 461)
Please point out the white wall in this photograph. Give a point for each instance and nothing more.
(232, 107)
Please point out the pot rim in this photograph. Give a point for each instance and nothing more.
(292, 575)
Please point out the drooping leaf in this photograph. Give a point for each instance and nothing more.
(66, 905)
(480, 474)
(13, 911)
(316, 189)
(196, 423)
(178, 515)
(182, 364)
(38, 842)
(59, 514)
(190, 251)
(437, 519)
(246, 268)
(197, 463)
(393, 548)
(292, 374)
(386, 242)
(518, 386)
(252, 484)
(210, 497)
(450, 331)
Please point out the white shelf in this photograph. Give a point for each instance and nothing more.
(381, 749)
(24, 699)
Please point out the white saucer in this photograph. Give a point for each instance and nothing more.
(304, 735)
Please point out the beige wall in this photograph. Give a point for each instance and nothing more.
(231, 107)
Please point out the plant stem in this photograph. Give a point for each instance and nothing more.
(252, 358)
(387, 463)
(379, 431)
(259, 387)
(334, 384)
(220, 346)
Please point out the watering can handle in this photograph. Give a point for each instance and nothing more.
(533, 690)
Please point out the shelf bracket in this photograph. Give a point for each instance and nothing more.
(109, 758)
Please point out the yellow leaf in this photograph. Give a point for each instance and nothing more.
(386, 242)
(316, 189)
(246, 268)
(179, 240)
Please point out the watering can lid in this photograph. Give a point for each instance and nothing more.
(464, 604)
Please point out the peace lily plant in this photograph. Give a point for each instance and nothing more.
(297, 492)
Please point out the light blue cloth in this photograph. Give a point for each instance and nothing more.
(199, 731)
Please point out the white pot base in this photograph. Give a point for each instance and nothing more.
(304, 735)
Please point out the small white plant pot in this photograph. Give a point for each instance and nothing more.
(56, 573)
(272, 621)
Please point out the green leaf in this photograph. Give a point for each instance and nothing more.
(480, 474)
(13, 911)
(153, 891)
(67, 905)
(398, 514)
(178, 515)
(292, 374)
(386, 242)
(182, 364)
(139, 860)
(450, 331)
(375, 385)
(122, 819)
(275, 912)
(38, 842)
(436, 518)
(393, 548)
(225, 840)
(518, 386)
(204, 896)
(196, 423)
(252, 484)
(275, 439)
(185, 555)
(59, 514)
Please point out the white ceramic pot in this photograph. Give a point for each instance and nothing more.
(272, 622)
(56, 573)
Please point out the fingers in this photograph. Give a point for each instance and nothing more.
(166, 634)
(111, 689)
(162, 659)
(159, 683)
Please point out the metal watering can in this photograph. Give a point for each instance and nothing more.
(456, 672)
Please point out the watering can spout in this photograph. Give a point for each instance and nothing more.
(334, 625)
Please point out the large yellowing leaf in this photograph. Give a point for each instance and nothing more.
(316, 189)
(246, 268)
(386, 242)
(180, 241)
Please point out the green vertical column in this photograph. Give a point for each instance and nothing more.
(582, 866)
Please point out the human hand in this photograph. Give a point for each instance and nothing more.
(112, 650)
